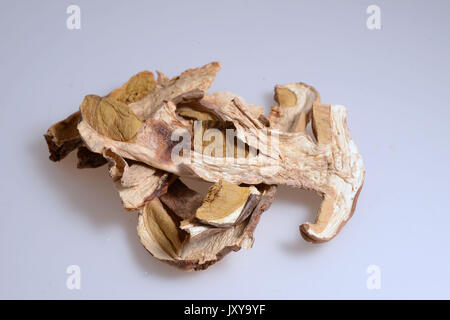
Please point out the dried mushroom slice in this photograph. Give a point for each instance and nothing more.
(110, 118)
(158, 231)
(333, 169)
(136, 183)
(201, 245)
(212, 137)
(89, 159)
(63, 137)
(227, 204)
(295, 101)
(135, 89)
(133, 128)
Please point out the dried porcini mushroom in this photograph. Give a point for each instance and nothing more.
(227, 204)
(110, 118)
(295, 101)
(63, 137)
(188, 244)
(133, 128)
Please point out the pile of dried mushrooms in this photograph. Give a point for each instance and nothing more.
(152, 132)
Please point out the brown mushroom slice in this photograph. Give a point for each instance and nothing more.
(227, 204)
(63, 137)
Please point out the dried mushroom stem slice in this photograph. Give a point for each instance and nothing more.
(227, 204)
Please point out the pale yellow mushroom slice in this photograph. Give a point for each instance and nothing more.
(189, 244)
(227, 204)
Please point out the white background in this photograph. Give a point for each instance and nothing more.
(394, 82)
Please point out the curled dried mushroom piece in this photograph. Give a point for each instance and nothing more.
(110, 118)
(63, 137)
(295, 102)
(227, 204)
